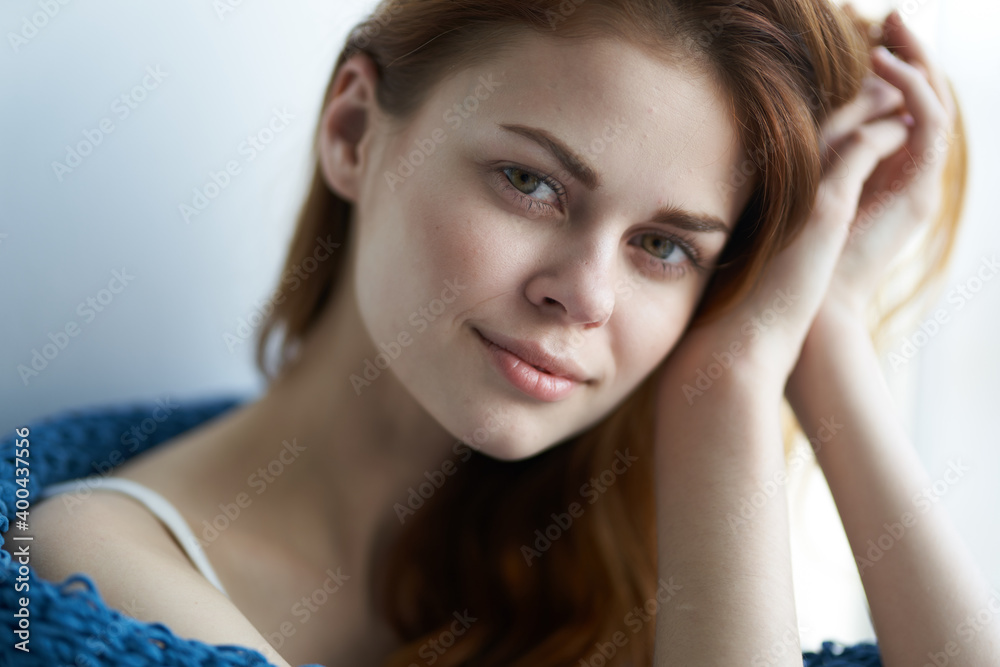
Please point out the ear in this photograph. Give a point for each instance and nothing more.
(346, 126)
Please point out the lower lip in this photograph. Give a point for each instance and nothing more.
(533, 382)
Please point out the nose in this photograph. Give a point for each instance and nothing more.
(575, 281)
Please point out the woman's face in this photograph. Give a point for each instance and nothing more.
(571, 197)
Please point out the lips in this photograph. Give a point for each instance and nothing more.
(538, 357)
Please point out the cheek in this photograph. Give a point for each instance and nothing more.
(428, 253)
(651, 326)
(462, 236)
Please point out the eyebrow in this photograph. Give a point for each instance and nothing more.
(583, 172)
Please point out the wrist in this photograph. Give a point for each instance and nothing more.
(727, 428)
(708, 372)
(837, 320)
(845, 304)
(839, 334)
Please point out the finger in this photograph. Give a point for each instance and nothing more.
(876, 98)
(929, 116)
(904, 43)
(813, 254)
(854, 159)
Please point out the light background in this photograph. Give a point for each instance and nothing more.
(226, 74)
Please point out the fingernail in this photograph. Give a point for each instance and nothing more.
(883, 53)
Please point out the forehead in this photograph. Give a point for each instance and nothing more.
(667, 119)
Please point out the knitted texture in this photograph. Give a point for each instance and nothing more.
(68, 623)
(832, 654)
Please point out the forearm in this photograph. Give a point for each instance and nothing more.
(735, 603)
(923, 586)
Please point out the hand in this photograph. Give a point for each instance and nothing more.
(797, 279)
(904, 192)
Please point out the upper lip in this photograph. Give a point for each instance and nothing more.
(537, 356)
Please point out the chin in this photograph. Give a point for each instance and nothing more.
(508, 442)
(513, 452)
(507, 431)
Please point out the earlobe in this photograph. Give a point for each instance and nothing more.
(346, 125)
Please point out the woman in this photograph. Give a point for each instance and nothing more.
(565, 261)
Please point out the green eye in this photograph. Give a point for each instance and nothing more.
(657, 244)
(666, 255)
(531, 191)
(519, 177)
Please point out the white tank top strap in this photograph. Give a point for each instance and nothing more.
(156, 504)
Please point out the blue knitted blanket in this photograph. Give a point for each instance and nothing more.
(50, 624)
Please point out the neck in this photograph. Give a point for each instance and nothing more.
(361, 451)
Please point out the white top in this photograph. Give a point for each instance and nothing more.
(156, 504)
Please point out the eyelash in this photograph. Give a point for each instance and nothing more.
(682, 241)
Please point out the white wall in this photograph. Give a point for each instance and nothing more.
(225, 74)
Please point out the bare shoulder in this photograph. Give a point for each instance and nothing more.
(137, 566)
